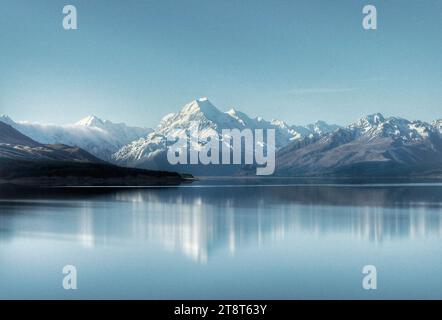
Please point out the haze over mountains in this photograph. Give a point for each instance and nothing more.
(373, 145)
(28, 162)
(17, 146)
(99, 137)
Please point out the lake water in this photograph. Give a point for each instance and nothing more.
(223, 242)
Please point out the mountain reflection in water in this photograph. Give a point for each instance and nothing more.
(200, 221)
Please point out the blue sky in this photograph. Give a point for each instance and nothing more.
(135, 61)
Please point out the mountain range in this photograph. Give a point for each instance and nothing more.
(26, 161)
(372, 145)
(17, 146)
(99, 137)
(151, 151)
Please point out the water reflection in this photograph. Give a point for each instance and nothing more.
(201, 221)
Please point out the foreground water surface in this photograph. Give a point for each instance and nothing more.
(223, 242)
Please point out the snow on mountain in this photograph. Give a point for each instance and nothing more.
(5, 119)
(99, 137)
(16, 146)
(377, 125)
(11, 136)
(321, 127)
(119, 132)
(373, 145)
(367, 123)
(91, 121)
(200, 112)
(438, 125)
(146, 152)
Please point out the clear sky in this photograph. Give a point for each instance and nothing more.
(134, 61)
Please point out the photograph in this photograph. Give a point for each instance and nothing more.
(220, 158)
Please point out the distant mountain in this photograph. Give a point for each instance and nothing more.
(321, 127)
(374, 145)
(99, 137)
(438, 125)
(25, 161)
(150, 152)
(10, 136)
(15, 145)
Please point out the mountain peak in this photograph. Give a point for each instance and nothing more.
(320, 127)
(6, 119)
(90, 121)
(231, 112)
(375, 118)
(369, 121)
(279, 123)
(10, 135)
(438, 125)
(320, 123)
(202, 105)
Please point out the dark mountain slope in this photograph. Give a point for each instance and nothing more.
(372, 146)
(9, 135)
(15, 145)
(25, 161)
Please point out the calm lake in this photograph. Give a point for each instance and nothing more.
(215, 241)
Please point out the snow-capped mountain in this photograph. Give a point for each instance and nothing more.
(321, 127)
(16, 146)
(438, 125)
(372, 145)
(150, 152)
(99, 137)
(376, 125)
